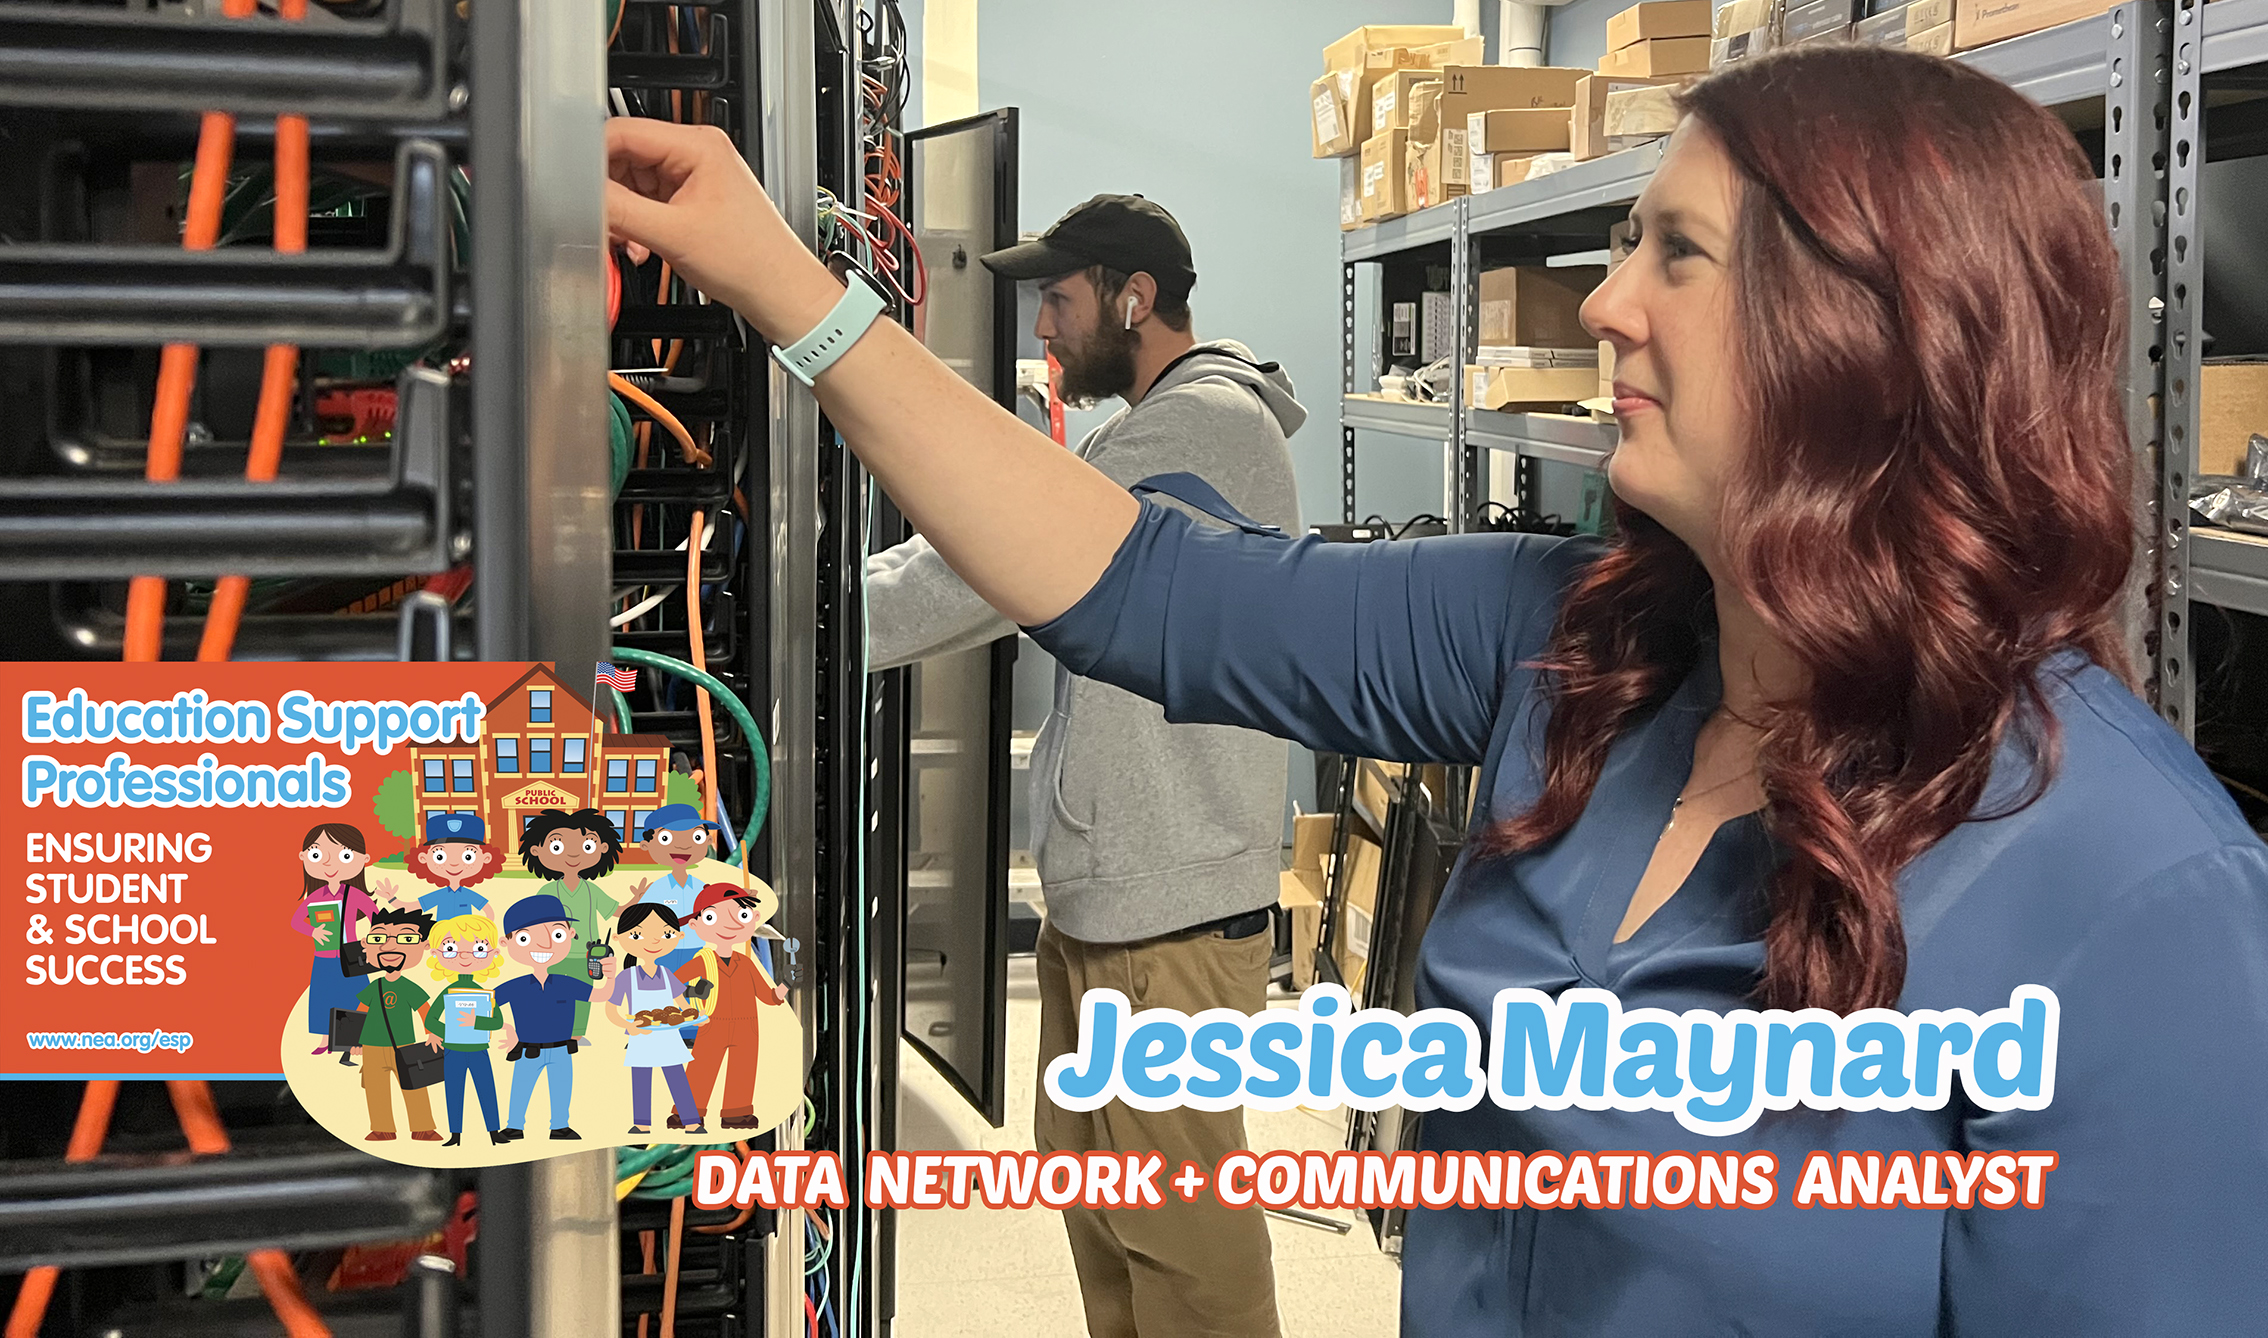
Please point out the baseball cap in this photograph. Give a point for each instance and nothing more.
(540, 909)
(1123, 232)
(718, 893)
(676, 818)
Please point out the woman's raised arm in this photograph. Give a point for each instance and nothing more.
(1027, 524)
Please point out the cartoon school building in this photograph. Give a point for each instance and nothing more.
(542, 747)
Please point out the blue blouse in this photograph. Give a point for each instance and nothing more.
(2133, 888)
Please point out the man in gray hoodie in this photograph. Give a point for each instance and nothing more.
(1158, 845)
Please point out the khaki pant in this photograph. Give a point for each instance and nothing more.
(1184, 1270)
(378, 1082)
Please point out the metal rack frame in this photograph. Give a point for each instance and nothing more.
(2227, 39)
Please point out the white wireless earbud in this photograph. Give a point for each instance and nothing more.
(1130, 301)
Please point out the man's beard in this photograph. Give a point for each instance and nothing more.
(1100, 367)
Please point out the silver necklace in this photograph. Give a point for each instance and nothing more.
(1677, 805)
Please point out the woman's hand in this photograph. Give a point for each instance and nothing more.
(684, 193)
(1028, 525)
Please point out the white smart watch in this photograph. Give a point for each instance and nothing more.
(852, 316)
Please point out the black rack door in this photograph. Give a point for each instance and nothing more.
(961, 188)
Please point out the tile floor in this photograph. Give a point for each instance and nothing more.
(979, 1272)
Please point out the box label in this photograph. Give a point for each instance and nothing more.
(1326, 119)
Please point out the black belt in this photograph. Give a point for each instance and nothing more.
(1237, 926)
(530, 1049)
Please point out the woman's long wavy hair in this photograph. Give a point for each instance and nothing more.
(1937, 494)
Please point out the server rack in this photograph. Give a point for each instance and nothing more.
(490, 488)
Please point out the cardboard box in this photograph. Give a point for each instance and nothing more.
(1385, 175)
(1923, 15)
(1639, 114)
(1518, 130)
(1463, 51)
(1400, 99)
(1657, 57)
(1606, 370)
(1333, 116)
(1804, 22)
(1468, 89)
(1742, 16)
(1884, 29)
(1587, 122)
(1983, 22)
(1350, 51)
(1350, 193)
(1494, 170)
(1937, 41)
(1535, 306)
(1656, 19)
(1741, 46)
(1303, 906)
(2232, 404)
(1504, 387)
(1429, 182)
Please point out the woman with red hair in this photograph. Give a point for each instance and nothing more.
(1840, 719)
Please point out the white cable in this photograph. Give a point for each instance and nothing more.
(641, 609)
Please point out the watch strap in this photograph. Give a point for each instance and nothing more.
(853, 314)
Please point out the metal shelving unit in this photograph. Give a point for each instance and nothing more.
(2221, 50)
(2118, 60)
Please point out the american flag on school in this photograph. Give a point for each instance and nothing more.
(621, 680)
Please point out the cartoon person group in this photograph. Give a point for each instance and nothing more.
(693, 974)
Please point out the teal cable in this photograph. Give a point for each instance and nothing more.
(621, 709)
(761, 804)
(620, 436)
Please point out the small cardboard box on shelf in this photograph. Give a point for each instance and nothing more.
(1333, 114)
(2232, 404)
(1506, 387)
(1385, 179)
(1536, 306)
(1923, 15)
(1982, 22)
(1885, 29)
(1740, 46)
(1819, 18)
(1657, 57)
(1400, 101)
(1518, 130)
(1350, 51)
(1937, 41)
(1492, 170)
(1742, 16)
(1637, 115)
(1350, 193)
(1586, 129)
(1657, 19)
(1429, 182)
